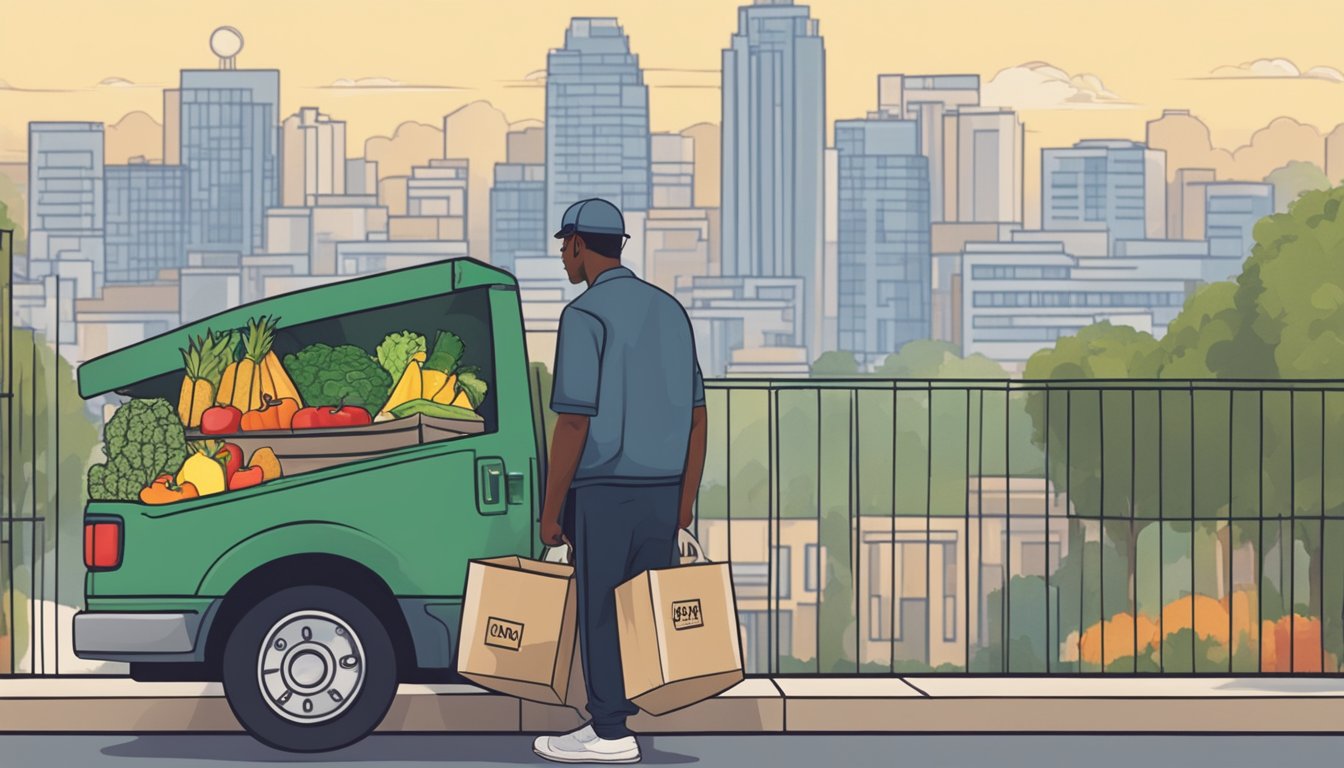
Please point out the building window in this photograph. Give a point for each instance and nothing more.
(814, 559)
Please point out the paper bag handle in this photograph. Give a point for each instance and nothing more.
(687, 543)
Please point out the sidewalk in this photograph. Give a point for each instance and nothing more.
(758, 705)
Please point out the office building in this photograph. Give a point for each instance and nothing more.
(228, 134)
(66, 204)
(1104, 184)
(361, 176)
(517, 213)
(436, 203)
(884, 248)
(314, 233)
(680, 244)
(597, 120)
(672, 170)
(312, 156)
(1020, 297)
(948, 240)
(1185, 203)
(774, 129)
(975, 153)
(746, 324)
(1231, 210)
(146, 221)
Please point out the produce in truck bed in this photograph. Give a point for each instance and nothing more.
(399, 349)
(265, 458)
(274, 414)
(221, 420)
(438, 410)
(328, 375)
(165, 490)
(442, 378)
(203, 363)
(246, 478)
(241, 384)
(142, 440)
(473, 386)
(232, 456)
(326, 417)
(203, 469)
(408, 387)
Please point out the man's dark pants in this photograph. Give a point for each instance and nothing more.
(618, 532)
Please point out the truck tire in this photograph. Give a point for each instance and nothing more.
(309, 669)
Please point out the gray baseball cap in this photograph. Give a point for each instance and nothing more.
(594, 216)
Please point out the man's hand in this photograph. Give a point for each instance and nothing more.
(552, 535)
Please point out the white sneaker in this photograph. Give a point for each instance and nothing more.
(585, 746)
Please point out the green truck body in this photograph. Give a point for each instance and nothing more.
(395, 530)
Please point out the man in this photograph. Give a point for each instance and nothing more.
(626, 459)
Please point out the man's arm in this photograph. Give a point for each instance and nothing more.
(695, 465)
(571, 433)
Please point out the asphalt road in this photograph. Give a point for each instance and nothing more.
(956, 751)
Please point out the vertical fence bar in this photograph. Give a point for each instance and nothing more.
(772, 568)
(1260, 552)
(1292, 531)
(854, 532)
(1194, 475)
(1045, 469)
(820, 580)
(981, 609)
(966, 544)
(928, 534)
(1133, 552)
(1320, 550)
(1231, 527)
(1101, 522)
(1161, 540)
(1008, 525)
(894, 602)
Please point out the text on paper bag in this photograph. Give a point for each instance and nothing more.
(686, 614)
(500, 633)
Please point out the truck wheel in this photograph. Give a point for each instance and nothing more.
(309, 669)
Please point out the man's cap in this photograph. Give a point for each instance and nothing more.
(593, 216)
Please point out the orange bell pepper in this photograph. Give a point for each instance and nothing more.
(164, 491)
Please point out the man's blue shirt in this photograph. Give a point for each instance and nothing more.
(625, 358)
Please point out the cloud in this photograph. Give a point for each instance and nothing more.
(121, 82)
(1282, 69)
(534, 79)
(5, 86)
(1039, 85)
(1187, 141)
(136, 134)
(384, 84)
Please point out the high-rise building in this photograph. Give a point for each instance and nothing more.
(312, 156)
(975, 153)
(228, 137)
(517, 213)
(597, 120)
(1115, 185)
(146, 221)
(774, 129)
(1231, 209)
(1185, 203)
(884, 249)
(65, 204)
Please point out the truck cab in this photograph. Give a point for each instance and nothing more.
(313, 595)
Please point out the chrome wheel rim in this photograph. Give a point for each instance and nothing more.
(310, 667)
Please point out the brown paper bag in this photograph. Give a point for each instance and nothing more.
(679, 636)
(519, 631)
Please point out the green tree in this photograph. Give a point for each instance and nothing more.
(1291, 180)
(836, 363)
(10, 204)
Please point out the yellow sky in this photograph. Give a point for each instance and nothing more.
(1145, 51)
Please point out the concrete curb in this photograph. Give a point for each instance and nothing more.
(758, 705)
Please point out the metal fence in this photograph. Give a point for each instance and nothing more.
(1028, 527)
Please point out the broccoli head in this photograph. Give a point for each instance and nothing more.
(328, 375)
(142, 440)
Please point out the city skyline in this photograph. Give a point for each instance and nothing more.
(394, 67)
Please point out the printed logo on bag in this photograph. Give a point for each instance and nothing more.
(686, 614)
(503, 634)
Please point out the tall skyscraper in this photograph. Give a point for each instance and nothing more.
(228, 137)
(884, 247)
(146, 221)
(518, 201)
(774, 129)
(65, 204)
(597, 120)
(312, 157)
(1116, 185)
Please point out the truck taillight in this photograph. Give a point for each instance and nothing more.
(102, 545)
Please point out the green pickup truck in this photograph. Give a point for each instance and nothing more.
(313, 595)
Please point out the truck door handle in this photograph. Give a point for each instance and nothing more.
(490, 486)
(514, 485)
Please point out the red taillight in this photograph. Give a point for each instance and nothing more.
(102, 545)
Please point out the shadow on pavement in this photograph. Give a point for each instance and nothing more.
(502, 749)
